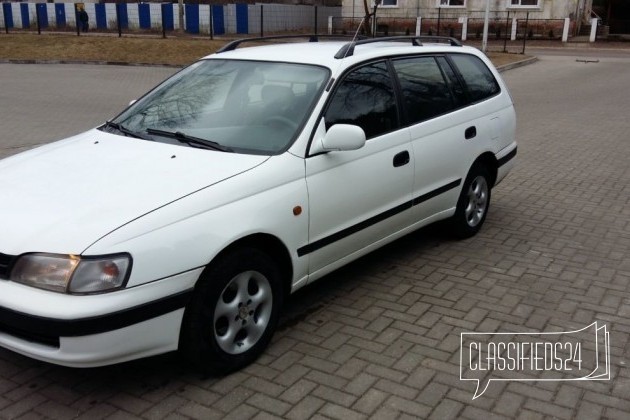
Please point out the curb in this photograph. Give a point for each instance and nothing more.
(517, 64)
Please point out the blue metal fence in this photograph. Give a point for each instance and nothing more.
(192, 18)
(122, 16)
(26, 23)
(199, 18)
(60, 15)
(242, 24)
(101, 16)
(144, 13)
(167, 17)
(8, 15)
(42, 15)
(218, 20)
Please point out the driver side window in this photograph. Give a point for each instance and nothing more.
(365, 97)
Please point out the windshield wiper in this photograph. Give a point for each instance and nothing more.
(190, 140)
(127, 132)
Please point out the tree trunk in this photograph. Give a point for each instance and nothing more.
(367, 26)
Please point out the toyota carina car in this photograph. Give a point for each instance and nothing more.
(185, 221)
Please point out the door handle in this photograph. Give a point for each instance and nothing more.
(470, 132)
(401, 159)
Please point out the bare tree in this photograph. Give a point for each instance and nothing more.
(367, 20)
(367, 26)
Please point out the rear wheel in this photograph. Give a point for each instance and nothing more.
(473, 203)
(233, 313)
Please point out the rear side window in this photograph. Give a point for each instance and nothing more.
(365, 98)
(425, 92)
(480, 83)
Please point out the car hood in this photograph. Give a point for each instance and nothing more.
(63, 197)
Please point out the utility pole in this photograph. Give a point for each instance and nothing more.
(486, 24)
(181, 15)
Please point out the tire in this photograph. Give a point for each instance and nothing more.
(233, 312)
(473, 204)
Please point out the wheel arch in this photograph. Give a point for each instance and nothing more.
(489, 161)
(197, 342)
(270, 245)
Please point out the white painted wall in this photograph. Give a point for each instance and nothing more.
(547, 9)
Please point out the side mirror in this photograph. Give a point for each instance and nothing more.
(339, 138)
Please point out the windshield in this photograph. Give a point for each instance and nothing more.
(246, 106)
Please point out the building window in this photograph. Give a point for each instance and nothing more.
(524, 3)
(452, 3)
(389, 3)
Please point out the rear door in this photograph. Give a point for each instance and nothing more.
(438, 145)
(447, 132)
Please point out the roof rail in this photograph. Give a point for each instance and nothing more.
(348, 49)
(311, 38)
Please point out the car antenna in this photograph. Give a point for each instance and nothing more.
(364, 19)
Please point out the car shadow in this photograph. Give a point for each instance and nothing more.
(317, 295)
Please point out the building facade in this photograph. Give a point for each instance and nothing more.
(543, 9)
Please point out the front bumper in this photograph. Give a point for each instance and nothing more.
(94, 330)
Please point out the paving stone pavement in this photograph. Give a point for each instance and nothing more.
(380, 338)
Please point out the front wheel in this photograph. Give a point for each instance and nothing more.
(233, 313)
(473, 204)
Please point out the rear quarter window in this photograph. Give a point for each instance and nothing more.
(479, 80)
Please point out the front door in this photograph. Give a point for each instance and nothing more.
(358, 198)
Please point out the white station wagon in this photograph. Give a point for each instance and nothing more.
(185, 221)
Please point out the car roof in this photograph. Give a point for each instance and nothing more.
(324, 52)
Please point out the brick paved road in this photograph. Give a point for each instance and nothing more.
(381, 337)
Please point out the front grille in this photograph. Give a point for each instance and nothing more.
(5, 265)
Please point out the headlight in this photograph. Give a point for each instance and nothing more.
(71, 273)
